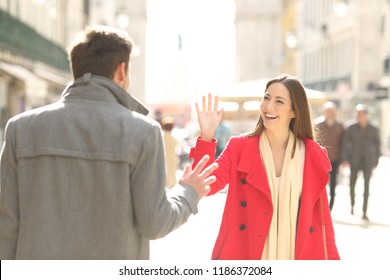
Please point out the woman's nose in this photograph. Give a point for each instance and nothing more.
(269, 106)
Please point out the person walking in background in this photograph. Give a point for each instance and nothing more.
(361, 151)
(170, 145)
(222, 134)
(277, 203)
(84, 177)
(331, 137)
(158, 115)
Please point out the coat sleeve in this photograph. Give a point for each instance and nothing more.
(9, 203)
(157, 212)
(201, 149)
(222, 173)
(377, 147)
(346, 145)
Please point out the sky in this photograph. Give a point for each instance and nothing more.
(190, 48)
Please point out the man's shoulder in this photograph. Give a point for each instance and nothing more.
(339, 126)
(322, 126)
(372, 126)
(350, 125)
(33, 113)
(142, 120)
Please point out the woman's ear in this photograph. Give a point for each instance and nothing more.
(293, 115)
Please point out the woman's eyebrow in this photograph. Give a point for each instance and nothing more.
(280, 97)
(276, 97)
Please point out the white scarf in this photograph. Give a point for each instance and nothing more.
(280, 243)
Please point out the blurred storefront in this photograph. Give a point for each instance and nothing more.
(34, 67)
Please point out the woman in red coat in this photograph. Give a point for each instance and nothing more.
(277, 204)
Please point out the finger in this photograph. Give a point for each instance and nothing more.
(197, 109)
(187, 170)
(204, 192)
(210, 102)
(207, 189)
(209, 169)
(201, 164)
(204, 103)
(210, 180)
(220, 113)
(216, 103)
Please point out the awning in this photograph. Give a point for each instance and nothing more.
(253, 90)
(35, 87)
(52, 77)
(243, 92)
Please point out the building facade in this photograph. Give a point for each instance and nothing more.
(289, 37)
(259, 39)
(34, 67)
(344, 51)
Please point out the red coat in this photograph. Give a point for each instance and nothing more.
(248, 211)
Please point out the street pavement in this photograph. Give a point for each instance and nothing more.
(356, 239)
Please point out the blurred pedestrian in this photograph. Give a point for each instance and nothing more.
(222, 135)
(361, 151)
(83, 178)
(277, 203)
(158, 115)
(170, 145)
(331, 137)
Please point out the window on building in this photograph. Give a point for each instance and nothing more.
(386, 65)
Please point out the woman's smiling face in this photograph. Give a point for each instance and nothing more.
(276, 107)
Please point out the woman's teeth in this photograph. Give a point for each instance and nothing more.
(270, 116)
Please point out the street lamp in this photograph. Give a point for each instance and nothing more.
(291, 40)
(122, 19)
(340, 8)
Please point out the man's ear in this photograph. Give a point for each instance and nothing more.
(120, 73)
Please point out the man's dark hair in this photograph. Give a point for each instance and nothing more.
(99, 50)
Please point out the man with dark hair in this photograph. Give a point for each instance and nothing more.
(361, 150)
(84, 177)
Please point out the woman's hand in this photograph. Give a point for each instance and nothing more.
(209, 117)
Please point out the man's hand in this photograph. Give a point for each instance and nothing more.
(198, 179)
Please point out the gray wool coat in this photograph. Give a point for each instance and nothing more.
(84, 178)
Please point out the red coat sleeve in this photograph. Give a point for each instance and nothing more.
(203, 148)
(209, 148)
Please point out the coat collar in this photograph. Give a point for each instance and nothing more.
(316, 167)
(102, 89)
(316, 171)
(251, 164)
